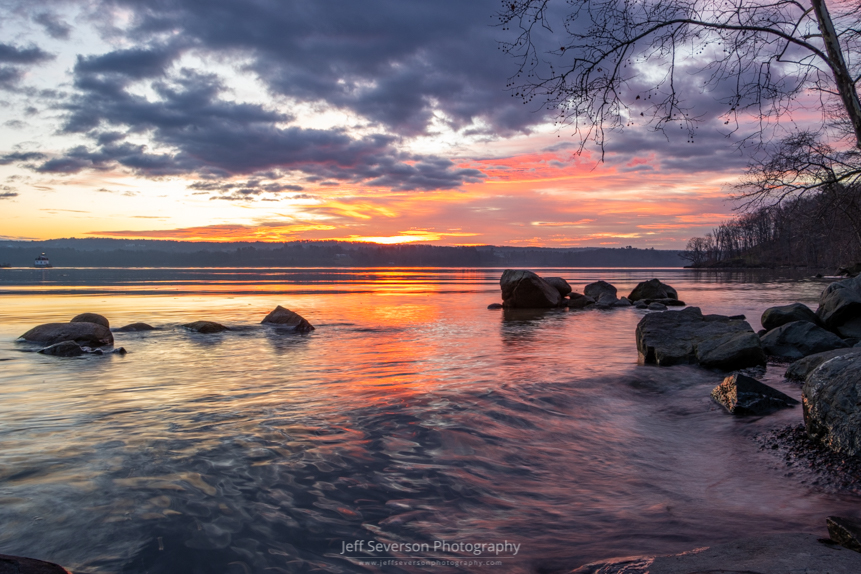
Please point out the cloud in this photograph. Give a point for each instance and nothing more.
(55, 27)
(10, 54)
(20, 157)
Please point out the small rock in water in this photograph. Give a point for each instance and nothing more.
(64, 349)
(120, 351)
(91, 318)
(578, 301)
(83, 333)
(845, 532)
(134, 327)
(653, 289)
(623, 302)
(495, 306)
(743, 395)
(641, 305)
(599, 290)
(205, 327)
(657, 307)
(287, 319)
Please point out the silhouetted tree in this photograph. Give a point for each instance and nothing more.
(608, 64)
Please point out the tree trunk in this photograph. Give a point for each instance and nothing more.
(845, 86)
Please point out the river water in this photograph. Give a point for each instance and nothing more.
(412, 415)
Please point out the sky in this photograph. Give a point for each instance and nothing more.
(282, 120)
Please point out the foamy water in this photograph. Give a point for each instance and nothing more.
(412, 415)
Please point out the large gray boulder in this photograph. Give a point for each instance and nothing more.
(560, 284)
(599, 290)
(743, 395)
(799, 370)
(525, 290)
(832, 404)
(689, 337)
(653, 289)
(798, 339)
(840, 307)
(91, 318)
(287, 319)
(89, 334)
(774, 317)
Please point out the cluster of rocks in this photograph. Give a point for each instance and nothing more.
(90, 333)
(523, 289)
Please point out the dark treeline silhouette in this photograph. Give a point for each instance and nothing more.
(819, 231)
(158, 253)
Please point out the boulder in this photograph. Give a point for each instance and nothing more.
(656, 307)
(845, 532)
(667, 302)
(578, 301)
(641, 305)
(743, 395)
(774, 317)
(606, 300)
(63, 349)
(19, 565)
(560, 284)
(622, 302)
(599, 289)
(91, 334)
(135, 327)
(799, 370)
(525, 290)
(205, 327)
(91, 318)
(840, 307)
(653, 289)
(287, 319)
(798, 339)
(832, 404)
(495, 306)
(689, 337)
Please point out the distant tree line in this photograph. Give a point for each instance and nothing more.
(818, 231)
(119, 253)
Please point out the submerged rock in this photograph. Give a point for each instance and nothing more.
(600, 290)
(840, 307)
(653, 289)
(689, 337)
(774, 317)
(799, 370)
(19, 565)
(91, 318)
(287, 319)
(656, 307)
(845, 532)
(743, 395)
(135, 327)
(559, 284)
(771, 554)
(525, 290)
(85, 333)
(205, 327)
(799, 339)
(64, 349)
(832, 404)
(495, 306)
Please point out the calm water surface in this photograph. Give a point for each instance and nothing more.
(411, 415)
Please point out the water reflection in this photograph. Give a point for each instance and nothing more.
(411, 414)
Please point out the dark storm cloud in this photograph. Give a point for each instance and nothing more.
(55, 27)
(134, 63)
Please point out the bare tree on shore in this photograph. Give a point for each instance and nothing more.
(605, 65)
